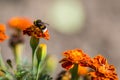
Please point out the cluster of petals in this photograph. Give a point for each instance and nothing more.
(3, 36)
(101, 69)
(75, 56)
(20, 23)
(36, 32)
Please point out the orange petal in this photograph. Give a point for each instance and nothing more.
(67, 65)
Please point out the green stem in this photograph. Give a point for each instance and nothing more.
(38, 72)
(34, 43)
(2, 62)
(74, 72)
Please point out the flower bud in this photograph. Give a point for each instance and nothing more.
(41, 52)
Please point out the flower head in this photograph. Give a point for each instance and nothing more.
(3, 36)
(75, 56)
(20, 23)
(102, 70)
(38, 30)
(98, 61)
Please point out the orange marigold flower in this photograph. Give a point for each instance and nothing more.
(98, 61)
(38, 30)
(75, 56)
(103, 71)
(3, 36)
(19, 23)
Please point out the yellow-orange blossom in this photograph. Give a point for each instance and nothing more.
(102, 70)
(75, 56)
(20, 23)
(36, 32)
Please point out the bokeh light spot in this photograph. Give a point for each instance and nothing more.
(67, 16)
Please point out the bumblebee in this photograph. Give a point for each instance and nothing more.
(41, 25)
(38, 30)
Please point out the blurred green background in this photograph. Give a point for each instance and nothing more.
(91, 25)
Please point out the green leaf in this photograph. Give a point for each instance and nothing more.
(45, 77)
(10, 76)
(2, 64)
